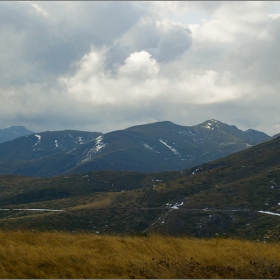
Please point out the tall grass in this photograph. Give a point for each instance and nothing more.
(82, 255)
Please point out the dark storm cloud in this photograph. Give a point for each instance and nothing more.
(100, 24)
(52, 43)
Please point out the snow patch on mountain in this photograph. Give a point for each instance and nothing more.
(195, 171)
(208, 126)
(55, 142)
(211, 125)
(175, 206)
(99, 145)
(227, 144)
(269, 213)
(170, 147)
(149, 147)
(39, 139)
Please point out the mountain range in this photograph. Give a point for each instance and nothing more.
(156, 147)
(234, 196)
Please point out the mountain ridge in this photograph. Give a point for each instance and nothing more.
(154, 147)
(234, 196)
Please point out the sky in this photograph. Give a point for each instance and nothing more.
(105, 66)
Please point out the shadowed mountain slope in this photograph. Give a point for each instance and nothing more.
(164, 146)
(156, 147)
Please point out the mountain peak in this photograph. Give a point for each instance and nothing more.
(13, 132)
(161, 124)
(210, 124)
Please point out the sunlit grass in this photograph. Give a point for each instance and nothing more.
(81, 255)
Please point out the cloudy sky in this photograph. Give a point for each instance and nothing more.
(103, 66)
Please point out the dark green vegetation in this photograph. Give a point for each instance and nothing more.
(13, 132)
(156, 147)
(219, 198)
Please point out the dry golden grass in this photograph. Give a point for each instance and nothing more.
(83, 255)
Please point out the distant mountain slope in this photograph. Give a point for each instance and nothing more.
(153, 147)
(43, 154)
(13, 132)
(255, 137)
(276, 135)
(236, 196)
(164, 146)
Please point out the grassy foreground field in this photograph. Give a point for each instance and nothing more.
(82, 255)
